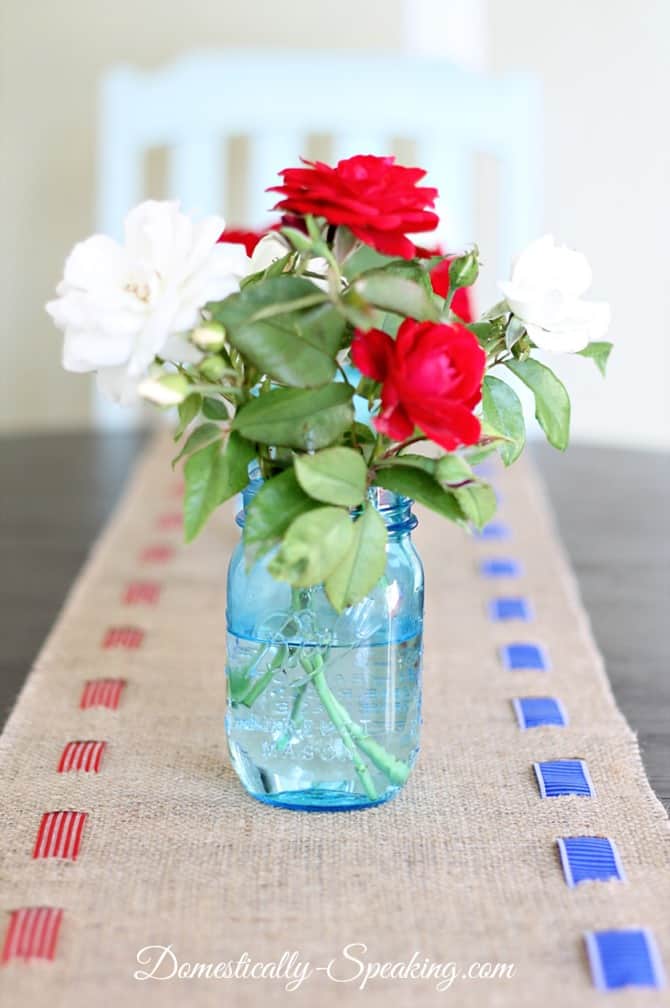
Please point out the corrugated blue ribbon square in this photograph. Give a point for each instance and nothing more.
(500, 567)
(495, 530)
(624, 958)
(563, 777)
(533, 712)
(524, 656)
(589, 859)
(509, 608)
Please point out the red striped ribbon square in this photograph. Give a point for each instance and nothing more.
(84, 756)
(138, 592)
(59, 835)
(32, 933)
(171, 520)
(157, 554)
(128, 637)
(102, 693)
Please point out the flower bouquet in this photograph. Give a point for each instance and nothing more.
(332, 372)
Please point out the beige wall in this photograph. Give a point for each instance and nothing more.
(604, 69)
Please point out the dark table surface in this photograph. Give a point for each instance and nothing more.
(613, 510)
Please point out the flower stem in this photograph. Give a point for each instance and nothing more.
(396, 449)
(293, 719)
(259, 685)
(396, 770)
(335, 714)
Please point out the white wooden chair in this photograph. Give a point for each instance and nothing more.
(364, 103)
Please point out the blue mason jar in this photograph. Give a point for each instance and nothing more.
(324, 708)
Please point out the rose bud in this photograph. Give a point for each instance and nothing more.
(169, 390)
(208, 336)
(212, 368)
(464, 270)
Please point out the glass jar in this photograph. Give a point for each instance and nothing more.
(324, 708)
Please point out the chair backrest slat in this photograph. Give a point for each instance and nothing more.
(269, 152)
(196, 174)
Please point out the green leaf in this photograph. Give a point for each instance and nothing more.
(599, 352)
(362, 439)
(203, 435)
(497, 310)
(452, 470)
(278, 266)
(237, 455)
(364, 259)
(188, 411)
(278, 503)
(478, 502)
(211, 477)
(202, 474)
(298, 239)
(412, 460)
(514, 332)
(335, 475)
(286, 328)
(306, 419)
(502, 410)
(366, 388)
(313, 546)
(421, 487)
(487, 333)
(357, 312)
(490, 434)
(214, 409)
(411, 269)
(345, 243)
(364, 434)
(390, 324)
(398, 294)
(364, 563)
(479, 453)
(552, 404)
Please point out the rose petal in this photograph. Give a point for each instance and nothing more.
(588, 322)
(450, 427)
(371, 352)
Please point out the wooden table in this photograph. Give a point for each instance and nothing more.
(613, 510)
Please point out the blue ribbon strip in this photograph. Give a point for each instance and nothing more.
(589, 859)
(495, 530)
(526, 657)
(509, 608)
(534, 712)
(624, 958)
(556, 778)
(500, 567)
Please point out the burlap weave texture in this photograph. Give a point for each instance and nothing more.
(462, 867)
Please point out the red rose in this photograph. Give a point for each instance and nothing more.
(378, 200)
(462, 303)
(249, 239)
(431, 377)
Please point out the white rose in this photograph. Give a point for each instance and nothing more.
(545, 292)
(120, 305)
(269, 249)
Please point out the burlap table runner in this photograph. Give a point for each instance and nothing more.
(461, 868)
